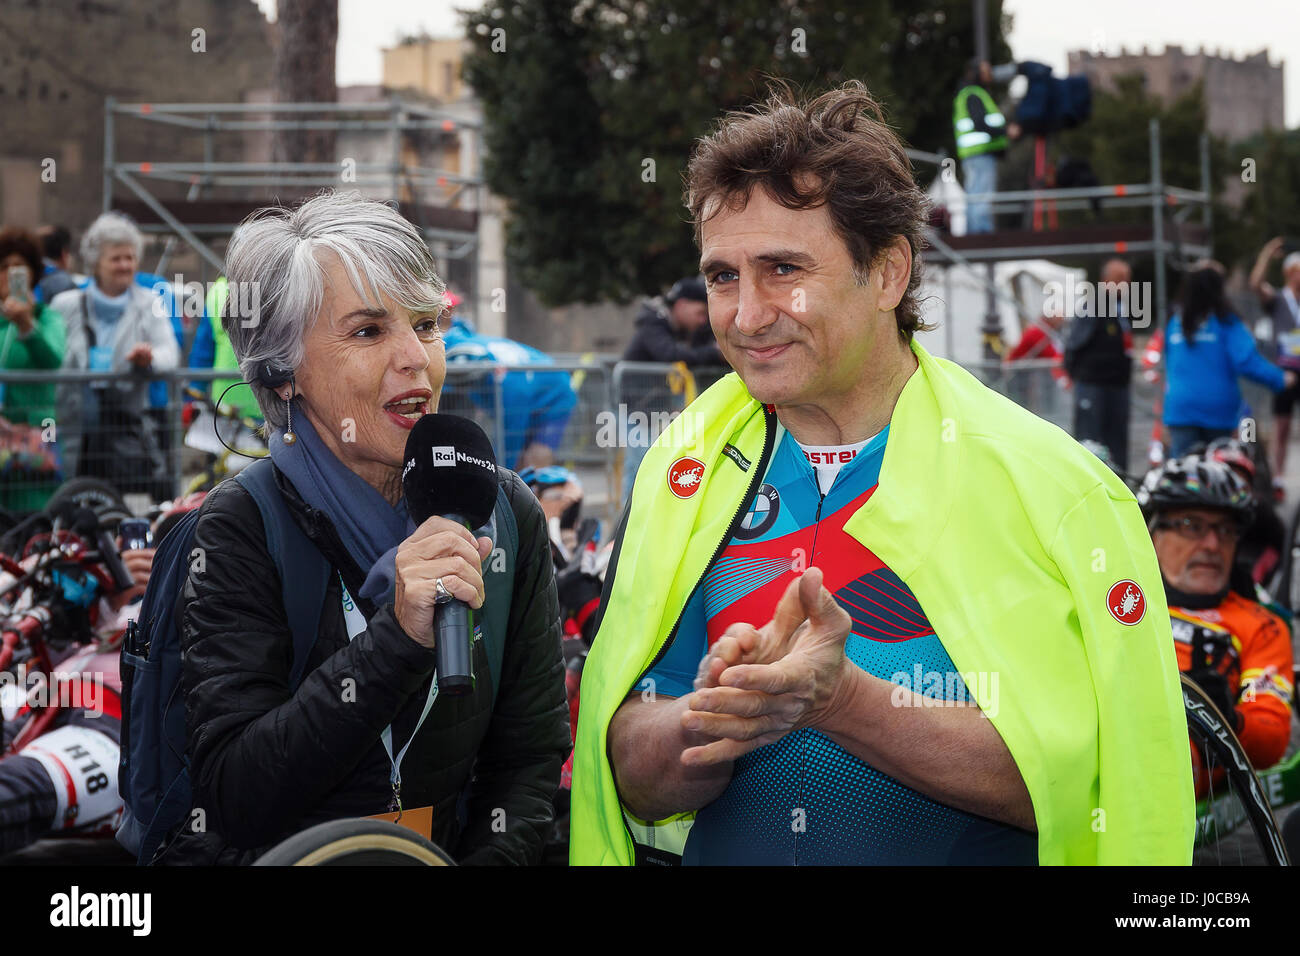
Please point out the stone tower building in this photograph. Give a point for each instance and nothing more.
(1242, 97)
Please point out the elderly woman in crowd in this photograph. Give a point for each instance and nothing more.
(114, 325)
(350, 305)
(31, 338)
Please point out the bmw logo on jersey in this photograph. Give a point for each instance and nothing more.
(762, 513)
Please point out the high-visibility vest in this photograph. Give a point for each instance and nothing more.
(241, 397)
(1032, 562)
(970, 141)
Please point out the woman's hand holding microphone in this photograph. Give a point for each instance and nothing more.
(438, 548)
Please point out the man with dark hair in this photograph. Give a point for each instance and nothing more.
(673, 328)
(1098, 349)
(862, 609)
(56, 249)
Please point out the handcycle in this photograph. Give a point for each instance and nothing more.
(58, 668)
(229, 441)
(1235, 796)
(356, 842)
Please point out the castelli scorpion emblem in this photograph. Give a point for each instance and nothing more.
(1126, 602)
(684, 476)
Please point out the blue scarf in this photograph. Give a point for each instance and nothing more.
(369, 527)
(105, 312)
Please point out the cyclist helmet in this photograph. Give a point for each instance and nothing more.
(553, 478)
(1194, 482)
(1233, 454)
(547, 477)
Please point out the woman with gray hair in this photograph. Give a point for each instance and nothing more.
(114, 325)
(333, 314)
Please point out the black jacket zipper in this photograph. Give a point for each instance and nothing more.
(754, 483)
(760, 469)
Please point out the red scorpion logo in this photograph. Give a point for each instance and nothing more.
(684, 476)
(1128, 606)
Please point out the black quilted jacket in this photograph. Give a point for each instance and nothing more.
(267, 763)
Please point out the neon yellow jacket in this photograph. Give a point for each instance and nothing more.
(1011, 536)
(241, 398)
(970, 141)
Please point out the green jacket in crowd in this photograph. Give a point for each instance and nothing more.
(30, 403)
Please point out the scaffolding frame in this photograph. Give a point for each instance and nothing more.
(1155, 195)
(459, 196)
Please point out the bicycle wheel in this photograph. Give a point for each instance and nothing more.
(100, 496)
(1236, 796)
(356, 842)
(1290, 571)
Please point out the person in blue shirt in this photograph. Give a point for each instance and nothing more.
(535, 406)
(1207, 348)
(56, 253)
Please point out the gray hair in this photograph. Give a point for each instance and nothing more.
(1290, 262)
(275, 255)
(110, 229)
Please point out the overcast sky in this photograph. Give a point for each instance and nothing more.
(1044, 30)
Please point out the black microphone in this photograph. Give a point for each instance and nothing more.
(450, 470)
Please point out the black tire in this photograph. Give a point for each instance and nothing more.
(356, 842)
(1290, 571)
(1220, 749)
(96, 494)
(1291, 833)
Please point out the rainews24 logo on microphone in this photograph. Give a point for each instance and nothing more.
(446, 456)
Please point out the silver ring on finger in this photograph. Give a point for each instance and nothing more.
(441, 594)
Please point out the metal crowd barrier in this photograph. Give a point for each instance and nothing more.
(1038, 385)
(584, 408)
(595, 414)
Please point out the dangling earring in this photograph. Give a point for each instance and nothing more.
(289, 436)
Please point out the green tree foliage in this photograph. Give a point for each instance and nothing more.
(591, 111)
(1252, 202)
(1117, 140)
(1268, 168)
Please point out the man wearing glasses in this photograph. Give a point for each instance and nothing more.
(1237, 651)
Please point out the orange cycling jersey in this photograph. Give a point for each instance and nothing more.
(1251, 648)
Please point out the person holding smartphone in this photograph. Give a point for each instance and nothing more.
(1283, 308)
(31, 337)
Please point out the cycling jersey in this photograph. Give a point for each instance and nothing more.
(804, 798)
(1027, 555)
(1251, 648)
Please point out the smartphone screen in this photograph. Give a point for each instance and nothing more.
(18, 287)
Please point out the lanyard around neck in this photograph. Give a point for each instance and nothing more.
(356, 623)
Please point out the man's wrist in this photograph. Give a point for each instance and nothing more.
(842, 713)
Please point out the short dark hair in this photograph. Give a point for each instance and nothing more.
(835, 150)
(55, 241)
(22, 241)
(691, 288)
